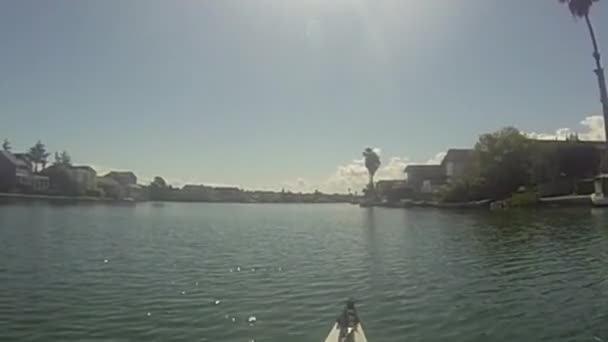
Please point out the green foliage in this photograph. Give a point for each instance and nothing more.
(38, 155)
(63, 158)
(6, 145)
(159, 182)
(372, 163)
(524, 199)
(502, 162)
(158, 190)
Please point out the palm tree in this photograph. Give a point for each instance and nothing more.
(372, 163)
(581, 9)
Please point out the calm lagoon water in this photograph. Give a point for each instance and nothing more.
(198, 272)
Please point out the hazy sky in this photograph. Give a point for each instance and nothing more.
(272, 93)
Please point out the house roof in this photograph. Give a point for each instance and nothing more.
(192, 187)
(120, 174)
(101, 181)
(458, 154)
(570, 142)
(226, 188)
(83, 167)
(423, 168)
(13, 159)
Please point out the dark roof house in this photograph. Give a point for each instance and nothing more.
(456, 162)
(15, 173)
(424, 178)
(458, 155)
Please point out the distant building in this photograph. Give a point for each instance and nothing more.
(40, 183)
(385, 186)
(111, 188)
(392, 189)
(85, 177)
(425, 178)
(227, 194)
(124, 178)
(16, 174)
(128, 183)
(195, 193)
(456, 162)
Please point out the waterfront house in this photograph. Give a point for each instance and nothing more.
(110, 188)
(16, 175)
(425, 179)
(195, 193)
(40, 183)
(85, 177)
(392, 190)
(124, 178)
(227, 194)
(564, 167)
(456, 162)
(128, 182)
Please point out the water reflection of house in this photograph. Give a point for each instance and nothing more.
(16, 174)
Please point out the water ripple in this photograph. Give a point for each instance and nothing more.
(418, 275)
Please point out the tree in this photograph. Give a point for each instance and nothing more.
(63, 158)
(581, 9)
(6, 145)
(158, 189)
(372, 163)
(502, 162)
(38, 155)
(160, 182)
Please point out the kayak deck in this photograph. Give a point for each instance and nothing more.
(357, 336)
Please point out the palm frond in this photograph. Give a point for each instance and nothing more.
(579, 8)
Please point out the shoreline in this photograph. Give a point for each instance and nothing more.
(88, 199)
(60, 198)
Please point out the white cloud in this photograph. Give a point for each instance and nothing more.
(354, 176)
(437, 159)
(298, 185)
(592, 130)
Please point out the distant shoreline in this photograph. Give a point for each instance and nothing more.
(10, 195)
(88, 199)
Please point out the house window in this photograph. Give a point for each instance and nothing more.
(449, 169)
(427, 186)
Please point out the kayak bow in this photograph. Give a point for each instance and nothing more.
(347, 328)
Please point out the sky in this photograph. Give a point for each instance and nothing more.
(271, 94)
